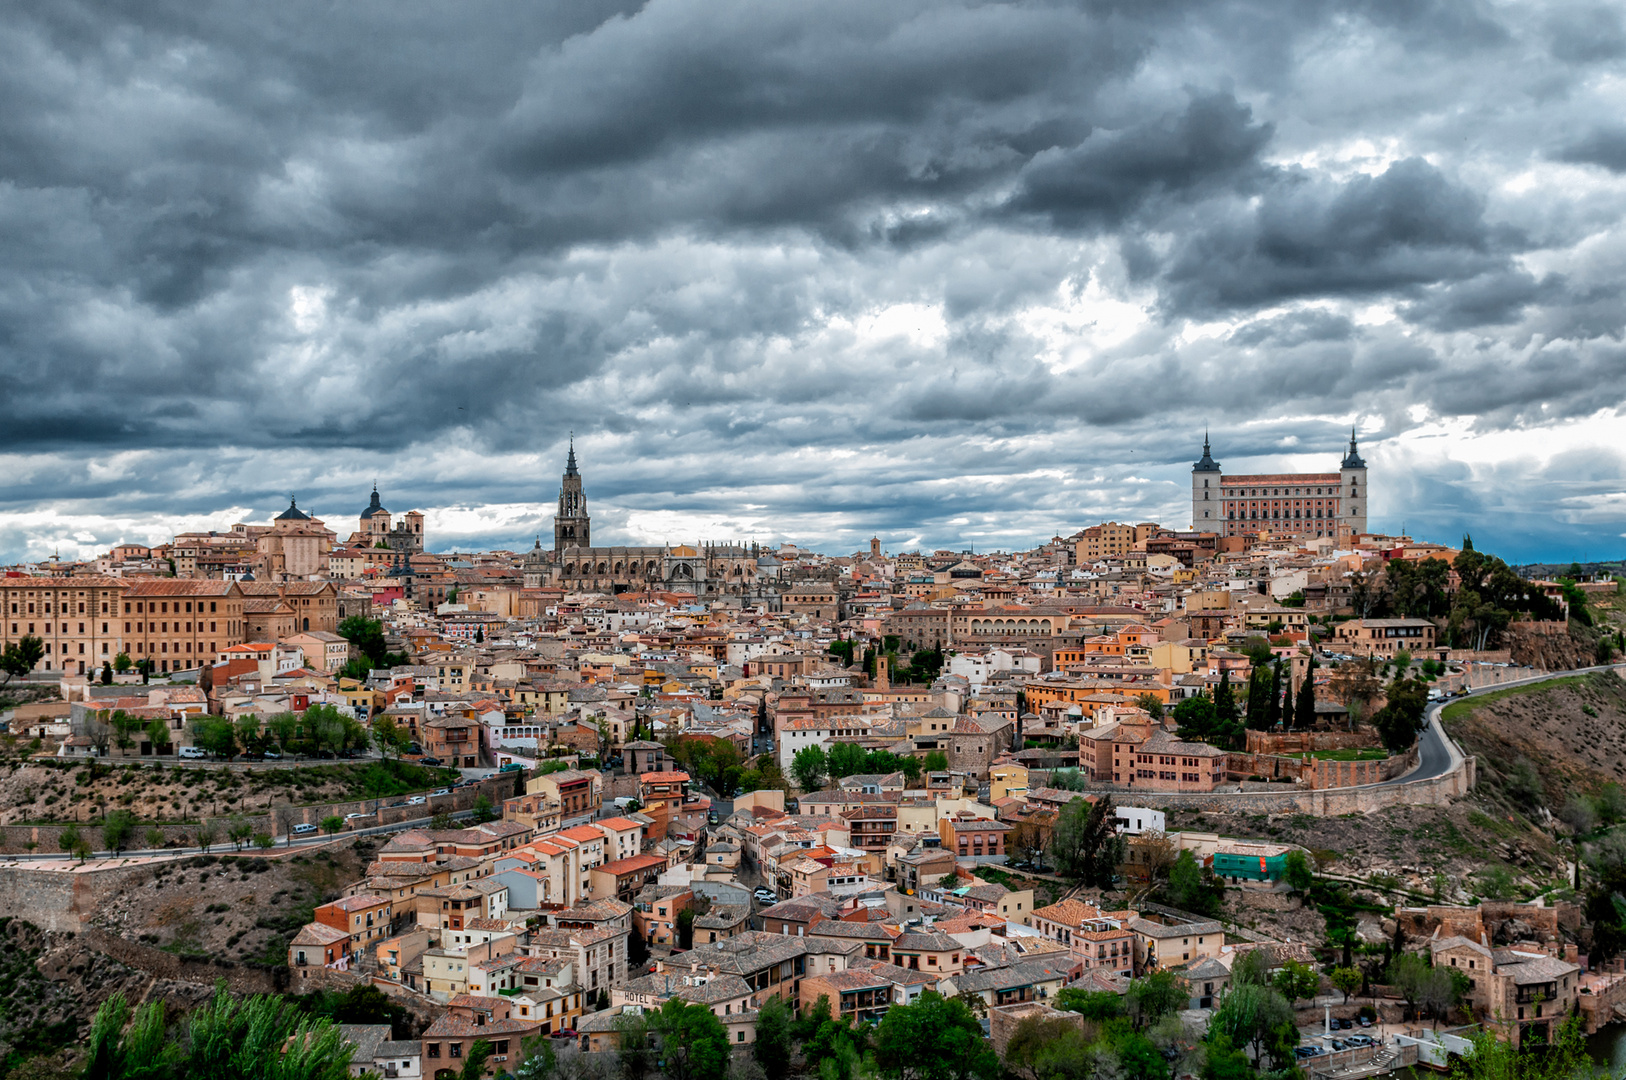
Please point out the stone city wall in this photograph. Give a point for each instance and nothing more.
(278, 822)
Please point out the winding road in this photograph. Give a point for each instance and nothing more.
(1437, 754)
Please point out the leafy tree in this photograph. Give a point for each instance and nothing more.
(933, 1039)
(772, 1049)
(1407, 974)
(214, 734)
(207, 835)
(1399, 721)
(1152, 704)
(366, 637)
(333, 823)
(155, 838)
(1223, 1061)
(69, 839)
(239, 831)
(121, 663)
(441, 821)
(389, 737)
(845, 759)
(483, 810)
(694, 1043)
(935, 761)
(809, 767)
(1252, 968)
(142, 1052)
(19, 657)
(1192, 887)
(474, 1062)
(1348, 980)
(1296, 869)
(540, 1059)
(263, 840)
(1296, 980)
(1259, 1019)
(262, 1036)
(158, 734)
(1155, 995)
(1196, 717)
(1564, 1058)
(632, 1031)
(124, 728)
(1100, 1005)
(107, 673)
(1050, 1049)
(1085, 845)
(117, 829)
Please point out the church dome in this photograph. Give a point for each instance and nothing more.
(293, 513)
(374, 508)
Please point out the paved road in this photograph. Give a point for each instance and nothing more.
(1437, 754)
(225, 847)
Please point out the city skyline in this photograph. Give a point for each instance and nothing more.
(951, 273)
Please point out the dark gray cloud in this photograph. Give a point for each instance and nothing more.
(955, 272)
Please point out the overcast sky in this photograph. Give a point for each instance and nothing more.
(958, 275)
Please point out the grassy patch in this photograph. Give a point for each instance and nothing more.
(1459, 709)
(1363, 754)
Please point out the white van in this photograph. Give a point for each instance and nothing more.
(194, 752)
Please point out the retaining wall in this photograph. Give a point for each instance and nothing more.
(278, 822)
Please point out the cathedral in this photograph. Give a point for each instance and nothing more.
(705, 570)
(374, 529)
(1308, 505)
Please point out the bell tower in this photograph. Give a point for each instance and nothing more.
(1353, 498)
(1207, 513)
(572, 527)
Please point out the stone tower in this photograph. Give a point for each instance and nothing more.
(572, 527)
(1207, 514)
(1352, 478)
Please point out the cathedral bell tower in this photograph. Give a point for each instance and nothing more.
(1353, 497)
(572, 527)
(1207, 512)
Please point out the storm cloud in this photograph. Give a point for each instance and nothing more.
(957, 274)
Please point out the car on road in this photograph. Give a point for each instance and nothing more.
(416, 800)
(394, 805)
(352, 817)
(272, 755)
(432, 762)
(441, 791)
(304, 828)
(414, 748)
(194, 752)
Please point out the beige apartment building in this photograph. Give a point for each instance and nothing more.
(75, 617)
(179, 623)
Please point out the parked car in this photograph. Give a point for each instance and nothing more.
(414, 748)
(1364, 1021)
(1345, 1022)
(432, 762)
(766, 896)
(1302, 1052)
(441, 791)
(194, 752)
(512, 767)
(304, 828)
(416, 800)
(1339, 1044)
(1359, 1040)
(352, 817)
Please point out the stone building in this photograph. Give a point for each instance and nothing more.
(705, 570)
(1282, 504)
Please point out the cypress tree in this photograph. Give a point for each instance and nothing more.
(1304, 708)
(1287, 702)
(1275, 693)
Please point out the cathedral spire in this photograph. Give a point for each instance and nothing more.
(1207, 464)
(570, 461)
(1352, 460)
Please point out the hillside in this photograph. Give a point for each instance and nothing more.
(1538, 745)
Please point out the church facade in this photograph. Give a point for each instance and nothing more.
(704, 570)
(1306, 505)
(375, 530)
